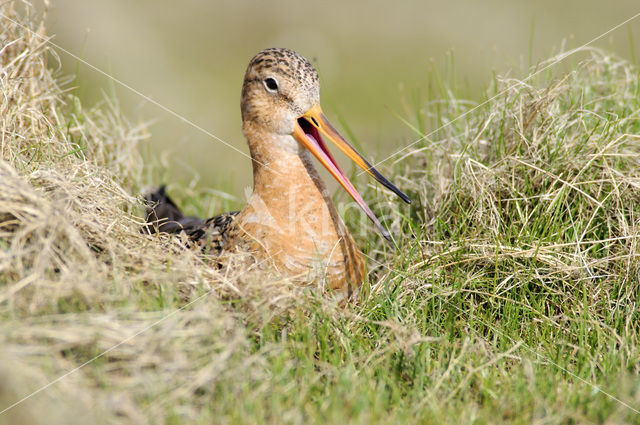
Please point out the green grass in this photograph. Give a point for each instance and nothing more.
(510, 296)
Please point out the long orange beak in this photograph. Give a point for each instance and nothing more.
(307, 132)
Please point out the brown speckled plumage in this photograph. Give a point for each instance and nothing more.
(163, 215)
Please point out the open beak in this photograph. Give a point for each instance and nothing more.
(307, 132)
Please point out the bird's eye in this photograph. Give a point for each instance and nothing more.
(271, 84)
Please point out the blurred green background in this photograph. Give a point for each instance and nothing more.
(374, 60)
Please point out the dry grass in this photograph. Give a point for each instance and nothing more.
(75, 270)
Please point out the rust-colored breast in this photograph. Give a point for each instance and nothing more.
(291, 223)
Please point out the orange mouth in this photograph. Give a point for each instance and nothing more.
(307, 132)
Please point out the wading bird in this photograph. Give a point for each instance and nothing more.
(289, 219)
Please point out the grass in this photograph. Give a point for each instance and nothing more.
(510, 297)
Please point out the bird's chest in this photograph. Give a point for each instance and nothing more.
(299, 232)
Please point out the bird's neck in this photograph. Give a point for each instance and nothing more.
(286, 181)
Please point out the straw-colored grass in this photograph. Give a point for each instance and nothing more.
(77, 275)
(511, 296)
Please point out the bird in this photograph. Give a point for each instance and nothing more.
(289, 220)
